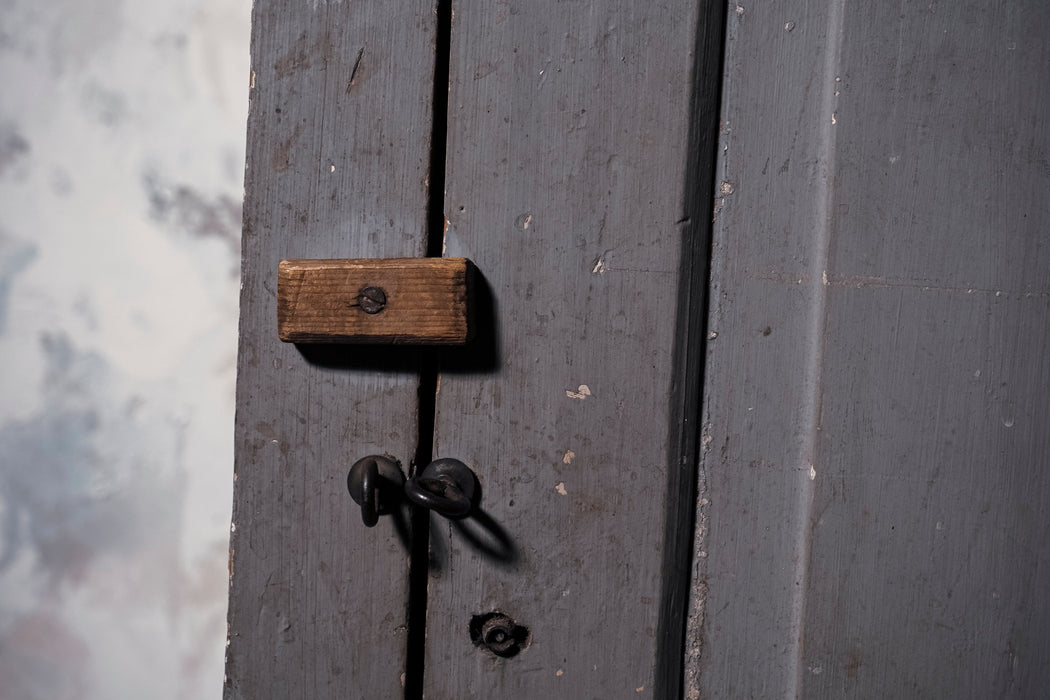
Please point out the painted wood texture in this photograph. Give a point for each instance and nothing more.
(571, 183)
(338, 148)
(414, 301)
(877, 458)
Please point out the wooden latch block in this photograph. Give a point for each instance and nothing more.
(407, 301)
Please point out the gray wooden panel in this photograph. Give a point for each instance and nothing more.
(338, 148)
(876, 404)
(572, 182)
(758, 420)
(932, 499)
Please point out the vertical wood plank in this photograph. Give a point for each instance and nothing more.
(876, 404)
(570, 183)
(932, 498)
(338, 149)
(758, 394)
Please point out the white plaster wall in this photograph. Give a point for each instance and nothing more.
(121, 166)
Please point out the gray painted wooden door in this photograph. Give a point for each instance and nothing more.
(576, 153)
(868, 464)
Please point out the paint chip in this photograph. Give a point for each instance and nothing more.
(559, 672)
(812, 472)
(639, 689)
(331, 168)
(581, 393)
(726, 187)
(788, 26)
(569, 456)
(599, 267)
(560, 488)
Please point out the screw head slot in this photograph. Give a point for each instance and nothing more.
(372, 300)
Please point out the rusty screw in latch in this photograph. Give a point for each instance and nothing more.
(499, 634)
(372, 300)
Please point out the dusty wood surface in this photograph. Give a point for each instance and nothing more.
(410, 301)
(571, 184)
(338, 146)
(878, 459)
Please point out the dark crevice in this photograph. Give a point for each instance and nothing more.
(690, 349)
(439, 131)
(428, 369)
(420, 548)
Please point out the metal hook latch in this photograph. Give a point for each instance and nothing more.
(375, 483)
(445, 486)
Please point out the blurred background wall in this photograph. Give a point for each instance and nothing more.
(121, 166)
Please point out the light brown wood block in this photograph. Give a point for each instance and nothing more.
(423, 301)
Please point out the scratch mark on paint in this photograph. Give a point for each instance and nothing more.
(581, 393)
(880, 282)
(353, 71)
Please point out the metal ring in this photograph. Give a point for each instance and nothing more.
(440, 495)
(367, 476)
(445, 486)
(374, 482)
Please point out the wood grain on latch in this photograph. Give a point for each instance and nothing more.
(425, 301)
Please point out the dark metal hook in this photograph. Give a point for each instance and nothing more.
(445, 486)
(375, 483)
